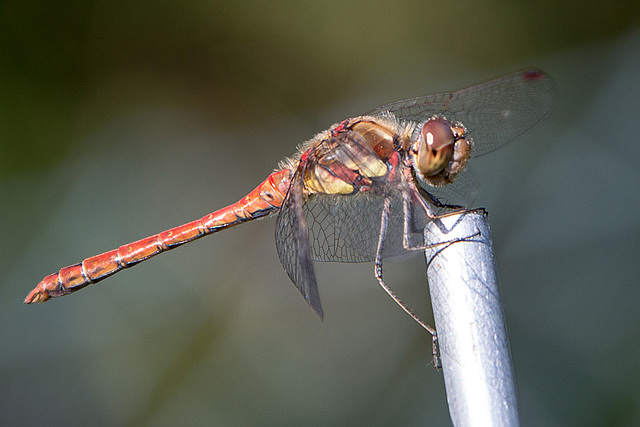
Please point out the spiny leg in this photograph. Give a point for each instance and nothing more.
(431, 198)
(437, 203)
(411, 195)
(384, 223)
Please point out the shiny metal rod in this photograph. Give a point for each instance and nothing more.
(472, 335)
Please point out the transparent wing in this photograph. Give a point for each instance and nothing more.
(292, 243)
(346, 228)
(494, 113)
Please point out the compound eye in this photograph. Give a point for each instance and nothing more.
(434, 147)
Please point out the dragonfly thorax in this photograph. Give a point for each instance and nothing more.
(351, 156)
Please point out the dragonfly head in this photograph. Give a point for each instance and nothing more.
(440, 151)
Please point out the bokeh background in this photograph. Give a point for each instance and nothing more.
(121, 119)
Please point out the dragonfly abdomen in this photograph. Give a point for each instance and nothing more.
(264, 199)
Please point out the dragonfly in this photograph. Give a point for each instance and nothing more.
(361, 191)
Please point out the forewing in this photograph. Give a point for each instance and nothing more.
(292, 243)
(494, 112)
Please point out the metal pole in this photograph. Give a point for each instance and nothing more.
(472, 335)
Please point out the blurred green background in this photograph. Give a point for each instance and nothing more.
(121, 119)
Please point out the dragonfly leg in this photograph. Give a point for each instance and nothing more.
(436, 202)
(431, 198)
(408, 198)
(384, 223)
